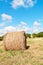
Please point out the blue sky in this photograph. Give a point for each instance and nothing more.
(18, 15)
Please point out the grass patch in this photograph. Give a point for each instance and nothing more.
(1, 51)
(12, 53)
(31, 56)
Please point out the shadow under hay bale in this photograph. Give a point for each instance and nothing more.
(15, 41)
(27, 47)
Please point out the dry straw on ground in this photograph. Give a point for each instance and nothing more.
(15, 40)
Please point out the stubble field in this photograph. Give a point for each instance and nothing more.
(31, 56)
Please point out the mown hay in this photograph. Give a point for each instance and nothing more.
(15, 40)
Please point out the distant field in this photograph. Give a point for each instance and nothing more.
(31, 56)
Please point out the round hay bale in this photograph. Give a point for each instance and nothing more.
(15, 40)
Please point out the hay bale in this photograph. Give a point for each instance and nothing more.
(15, 40)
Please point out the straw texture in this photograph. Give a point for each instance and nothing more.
(15, 40)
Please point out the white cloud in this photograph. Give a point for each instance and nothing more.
(16, 3)
(26, 29)
(23, 27)
(2, 24)
(36, 23)
(10, 29)
(2, 32)
(23, 23)
(35, 28)
(23, 3)
(6, 17)
(20, 27)
(6, 29)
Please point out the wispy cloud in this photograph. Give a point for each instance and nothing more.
(6, 29)
(23, 23)
(22, 26)
(36, 23)
(35, 30)
(23, 3)
(6, 17)
(9, 28)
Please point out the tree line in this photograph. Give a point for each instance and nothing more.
(40, 34)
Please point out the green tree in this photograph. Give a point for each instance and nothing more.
(40, 34)
(28, 35)
(34, 35)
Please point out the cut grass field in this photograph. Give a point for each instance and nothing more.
(31, 56)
